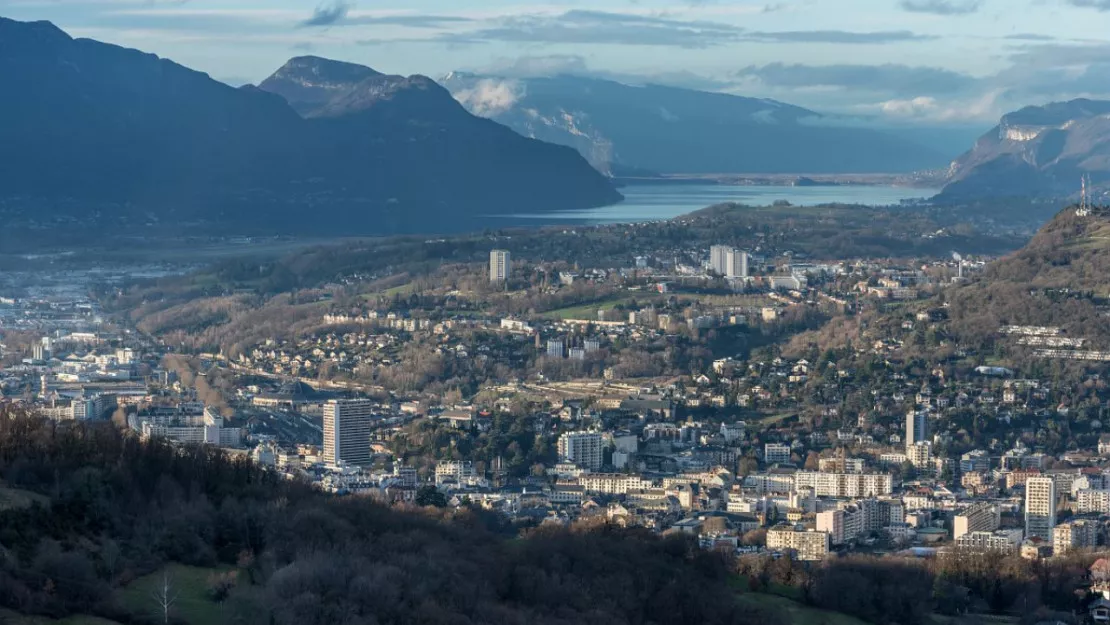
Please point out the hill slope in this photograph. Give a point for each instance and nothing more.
(1039, 151)
(674, 130)
(98, 123)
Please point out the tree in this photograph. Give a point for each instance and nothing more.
(165, 595)
(430, 496)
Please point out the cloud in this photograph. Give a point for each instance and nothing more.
(328, 14)
(924, 108)
(838, 36)
(489, 97)
(546, 66)
(598, 27)
(604, 28)
(1098, 5)
(942, 7)
(898, 80)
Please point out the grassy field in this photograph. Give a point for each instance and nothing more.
(585, 311)
(11, 498)
(190, 584)
(12, 618)
(795, 613)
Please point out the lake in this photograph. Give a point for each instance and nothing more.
(665, 201)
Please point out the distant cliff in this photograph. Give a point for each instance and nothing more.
(672, 130)
(1039, 151)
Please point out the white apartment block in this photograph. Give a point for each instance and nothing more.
(764, 483)
(500, 265)
(347, 425)
(980, 517)
(1093, 500)
(845, 485)
(581, 448)
(718, 259)
(810, 546)
(776, 453)
(612, 483)
(1040, 507)
(997, 540)
(920, 455)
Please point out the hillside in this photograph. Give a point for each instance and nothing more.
(1037, 151)
(86, 123)
(1056, 280)
(672, 130)
(121, 511)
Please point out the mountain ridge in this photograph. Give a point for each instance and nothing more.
(675, 130)
(1040, 151)
(95, 122)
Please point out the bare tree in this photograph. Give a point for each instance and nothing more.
(165, 596)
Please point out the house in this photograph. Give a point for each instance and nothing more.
(1099, 610)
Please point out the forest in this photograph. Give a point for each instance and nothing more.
(109, 508)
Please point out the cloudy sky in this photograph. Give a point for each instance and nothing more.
(901, 61)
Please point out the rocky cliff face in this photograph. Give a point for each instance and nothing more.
(1040, 151)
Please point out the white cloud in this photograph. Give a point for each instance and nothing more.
(987, 107)
(489, 96)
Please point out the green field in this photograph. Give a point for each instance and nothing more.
(794, 613)
(585, 311)
(13, 618)
(190, 584)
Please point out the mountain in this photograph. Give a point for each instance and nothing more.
(96, 123)
(1037, 151)
(673, 130)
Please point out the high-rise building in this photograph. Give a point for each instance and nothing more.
(718, 259)
(499, 265)
(736, 264)
(581, 448)
(980, 517)
(810, 546)
(920, 455)
(347, 431)
(1040, 507)
(917, 428)
(556, 348)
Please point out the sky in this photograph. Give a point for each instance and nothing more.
(925, 62)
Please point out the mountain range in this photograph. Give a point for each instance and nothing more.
(1036, 151)
(357, 150)
(620, 127)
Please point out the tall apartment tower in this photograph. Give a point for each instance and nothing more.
(499, 265)
(581, 448)
(917, 428)
(347, 431)
(736, 264)
(718, 259)
(1040, 507)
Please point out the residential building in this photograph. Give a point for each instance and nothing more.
(845, 485)
(1077, 534)
(917, 428)
(776, 452)
(1093, 500)
(581, 448)
(1008, 540)
(612, 483)
(974, 461)
(979, 517)
(347, 424)
(718, 259)
(736, 264)
(499, 265)
(556, 348)
(920, 455)
(809, 546)
(1040, 507)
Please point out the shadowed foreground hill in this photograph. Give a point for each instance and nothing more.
(120, 508)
